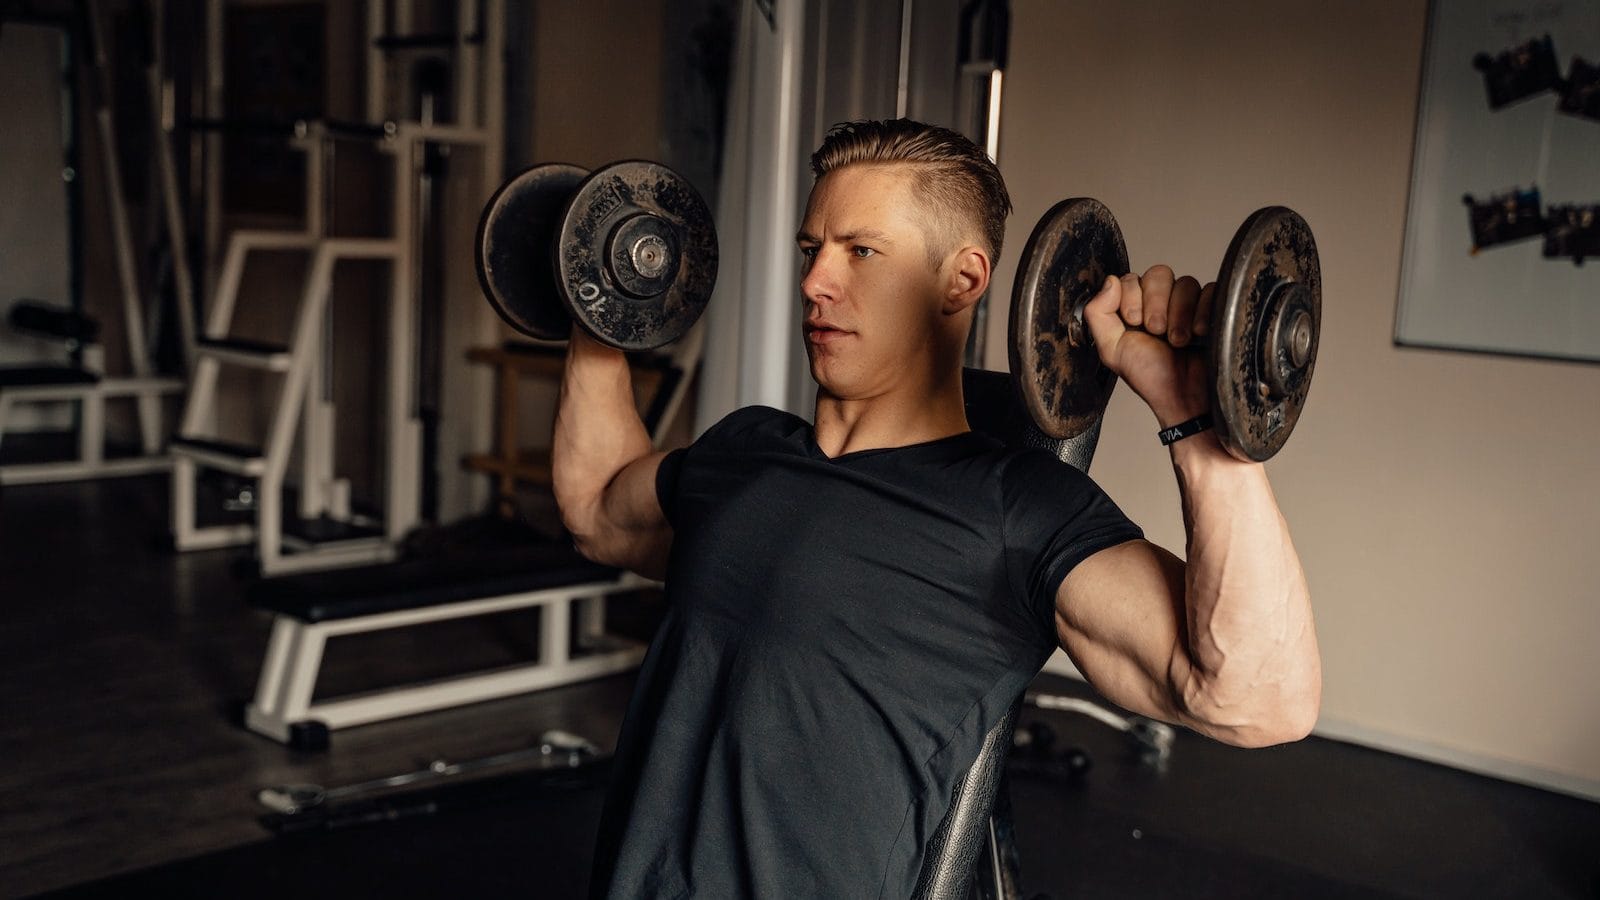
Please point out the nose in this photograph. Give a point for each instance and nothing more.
(818, 281)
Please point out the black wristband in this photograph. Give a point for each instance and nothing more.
(1184, 429)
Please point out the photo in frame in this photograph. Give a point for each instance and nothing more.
(1502, 239)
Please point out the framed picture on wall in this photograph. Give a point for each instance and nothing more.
(1502, 241)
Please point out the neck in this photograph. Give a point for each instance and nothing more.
(917, 410)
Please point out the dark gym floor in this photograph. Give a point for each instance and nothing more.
(125, 776)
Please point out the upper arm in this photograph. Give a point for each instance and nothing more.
(1120, 616)
(626, 526)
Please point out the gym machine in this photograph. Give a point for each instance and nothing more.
(324, 529)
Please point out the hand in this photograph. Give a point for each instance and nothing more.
(1157, 361)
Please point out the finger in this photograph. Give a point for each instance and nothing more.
(1202, 309)
(1102, 316)
(1132, 300)
(1180, 310)
(1156, 285)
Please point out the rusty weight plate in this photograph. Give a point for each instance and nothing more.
(1265, 331)
(637, 255)
(1053, 359)
(516, 260)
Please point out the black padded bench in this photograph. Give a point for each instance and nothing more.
(309, 609)
(45, 376)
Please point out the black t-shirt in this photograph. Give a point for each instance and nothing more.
(841, 634)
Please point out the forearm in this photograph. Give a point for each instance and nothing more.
(1249, 670)
(598, 433)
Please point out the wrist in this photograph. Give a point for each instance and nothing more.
(1185, 429)
(1177, 412)
(1205, 451)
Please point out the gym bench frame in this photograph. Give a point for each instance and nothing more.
(91, 461)
(283, 697)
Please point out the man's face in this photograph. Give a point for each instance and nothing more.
(872, 298)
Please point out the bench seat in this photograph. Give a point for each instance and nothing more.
(45, 376)
(369, 590)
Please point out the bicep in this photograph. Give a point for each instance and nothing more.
(1120, 616)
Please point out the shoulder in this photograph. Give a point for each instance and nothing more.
(751, 427)
(1041, 494)
(726, 448)
(1029, 472)
(754, 418)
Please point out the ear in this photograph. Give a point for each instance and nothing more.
(969, 270)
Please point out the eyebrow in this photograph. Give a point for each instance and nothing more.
(861, 234)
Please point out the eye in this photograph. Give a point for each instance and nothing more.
(808, 253)
(863, 252)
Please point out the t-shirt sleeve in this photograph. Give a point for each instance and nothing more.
(1055, 518)
(667, 475)
(731, 433)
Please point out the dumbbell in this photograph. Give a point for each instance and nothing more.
(628, 252)
(1265, 322)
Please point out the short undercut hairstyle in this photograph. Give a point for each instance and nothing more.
(954, 178)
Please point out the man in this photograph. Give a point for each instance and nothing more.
(854, 604)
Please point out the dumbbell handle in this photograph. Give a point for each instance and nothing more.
(1293, 336)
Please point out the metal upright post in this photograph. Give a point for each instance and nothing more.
(493, 113)
(316, 427)
(161, 126)
(402, 509)
(215, 10)
(469, 37)
(121, 233)
(313, 301)
(773, 203)
(376, 67)
(985, 34)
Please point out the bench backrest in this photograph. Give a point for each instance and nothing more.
(967, 833)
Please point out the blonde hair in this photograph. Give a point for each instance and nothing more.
(952, 176)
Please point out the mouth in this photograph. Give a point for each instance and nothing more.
(824, 332)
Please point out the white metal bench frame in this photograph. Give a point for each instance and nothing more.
(294, 657)
(91, 460)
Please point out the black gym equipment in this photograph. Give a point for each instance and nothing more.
(1265, 323)
(516, 265)
(54, 323)
(296, 807)
(1067, 257)
(1148, 741)
(1266, 327)
(628, 252)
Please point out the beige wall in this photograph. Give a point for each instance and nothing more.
(34, 249)
(1447, 506)
(596, 81)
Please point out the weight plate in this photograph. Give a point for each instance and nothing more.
(1265, 332)
(1053, 359)
(637, 255)
(516, 260)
